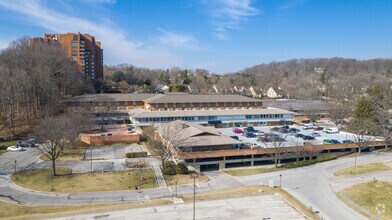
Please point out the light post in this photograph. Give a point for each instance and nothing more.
(15, 165)
(176, 188)
(91, 159)
(52, 183)
(355, 158)
(280, 180)
(129, 180)
(194, 195)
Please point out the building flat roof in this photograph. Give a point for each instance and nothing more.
(141, 113)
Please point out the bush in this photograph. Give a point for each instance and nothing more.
(136, 154)
(169, 169)
(181, 169)
(308, 162)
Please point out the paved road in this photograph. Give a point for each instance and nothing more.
(311, 185)
(255, 207)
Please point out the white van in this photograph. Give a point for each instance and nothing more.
(331, 130)
(307, 127)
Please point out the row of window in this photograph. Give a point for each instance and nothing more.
(209, 104)
(209, 118)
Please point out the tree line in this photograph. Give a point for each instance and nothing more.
(34, 81)
(336, 78)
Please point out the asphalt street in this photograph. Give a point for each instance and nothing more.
(311, 185)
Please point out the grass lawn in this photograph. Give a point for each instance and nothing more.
(12, 211)
(367, 168)
(183, 179)
(70, 154)
(376, 197)
(40, 180)
(252, 171)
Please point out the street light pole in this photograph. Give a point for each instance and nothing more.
(280, 180)
(194, 197)
(129, 180)
(176, 188)
(15, 165)
(91, 158)
(52, 183)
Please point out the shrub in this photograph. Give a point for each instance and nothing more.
(181, 169)
(308, 162)
(169, 169)
(136, 154)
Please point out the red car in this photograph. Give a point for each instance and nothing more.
(238, 131)
(318, 128)
(305, 121)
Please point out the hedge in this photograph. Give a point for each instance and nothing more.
(308, 162)
(181, 169)
(136, 154)
(169, 169)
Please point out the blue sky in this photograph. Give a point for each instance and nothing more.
(219, 35)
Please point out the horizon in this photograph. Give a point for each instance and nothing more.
(220, 36)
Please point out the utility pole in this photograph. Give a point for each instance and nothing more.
(15, 165)
(129, 180)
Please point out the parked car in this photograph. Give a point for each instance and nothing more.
(25, 144)
(347, 141)
(294, 130)
(249, 129)
(318, 128)
(307, 137)
(109, 134)
(235, 137)
(235, 128)
(15, 148)
(331, 130)
(102, 135)
(305, 121)
(298, 135)
(333, 141)
(285, 127)
(284, 130)
(307, 127)
(275, 129)
(248, 134)
(315, 134)
(238, 131)
(259, 133)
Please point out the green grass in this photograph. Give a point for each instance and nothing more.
(41, 180)
(252, 171)
(367, 168)
(376, 197)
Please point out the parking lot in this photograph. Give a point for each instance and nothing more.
(291, 139)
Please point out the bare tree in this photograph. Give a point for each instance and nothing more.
(277, 142)
(165, 139)
(50, 135)
(361, 128)
(383, 116)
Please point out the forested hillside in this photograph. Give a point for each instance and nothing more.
(335, 78)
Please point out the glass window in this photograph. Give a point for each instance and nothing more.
(75, 37)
